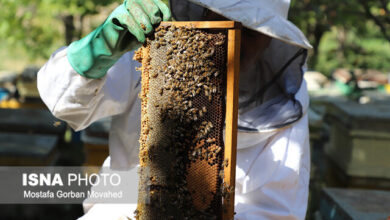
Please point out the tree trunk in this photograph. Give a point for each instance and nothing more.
(69, 28)
(319, 31)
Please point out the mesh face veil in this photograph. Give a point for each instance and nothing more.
(183, 10)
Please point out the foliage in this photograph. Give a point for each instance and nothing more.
(340, 48)
(344, 34)
(39, 25)
(379, 12)
(316, 17)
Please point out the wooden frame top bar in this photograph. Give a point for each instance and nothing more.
(205, 24)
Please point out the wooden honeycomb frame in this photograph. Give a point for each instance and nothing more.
(233, 71)
(233, 30)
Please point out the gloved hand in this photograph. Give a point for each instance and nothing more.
(123, 30)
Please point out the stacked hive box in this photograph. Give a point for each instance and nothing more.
(183, 107)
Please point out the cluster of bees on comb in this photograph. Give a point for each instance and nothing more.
(181, 142)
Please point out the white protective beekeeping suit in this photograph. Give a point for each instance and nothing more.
(273, 158)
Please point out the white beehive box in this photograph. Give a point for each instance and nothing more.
(360, 138)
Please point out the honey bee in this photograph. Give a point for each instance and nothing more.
(210, 140)
(221, 174)
(56, 123)
(219, 43)
(209, 52)
(214, 90)
(225, 163)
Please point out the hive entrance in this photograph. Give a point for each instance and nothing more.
(183, 114)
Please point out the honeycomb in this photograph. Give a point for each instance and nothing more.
(182, 119)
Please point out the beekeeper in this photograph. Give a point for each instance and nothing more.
(95, 78)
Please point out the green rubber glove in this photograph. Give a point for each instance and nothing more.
(123, 30)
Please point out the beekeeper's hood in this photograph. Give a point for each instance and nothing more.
(266, 16)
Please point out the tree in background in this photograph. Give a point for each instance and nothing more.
(316, 17)
(36, 24)
(344, 34)
(379, 12)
